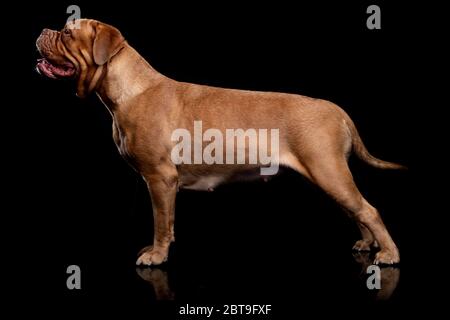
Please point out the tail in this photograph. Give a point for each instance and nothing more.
(361, 152)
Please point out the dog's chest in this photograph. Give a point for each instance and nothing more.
(121, 142)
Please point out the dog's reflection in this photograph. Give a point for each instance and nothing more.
(389, 275)
(389, 278)
(158, 279)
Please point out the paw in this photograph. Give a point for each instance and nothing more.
(362, 245)
(151, 256)
(388, 257)
(144, 249)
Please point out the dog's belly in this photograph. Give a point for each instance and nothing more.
(208, 180)
(206, 183)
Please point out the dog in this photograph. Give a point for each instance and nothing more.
(315, 136)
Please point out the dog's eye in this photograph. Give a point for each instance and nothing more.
(66, 31)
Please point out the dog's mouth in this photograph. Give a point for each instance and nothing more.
(55, 71)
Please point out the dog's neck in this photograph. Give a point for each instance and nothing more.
(126, 67)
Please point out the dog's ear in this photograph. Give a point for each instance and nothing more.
(106, 43)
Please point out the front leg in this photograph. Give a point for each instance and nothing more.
(162, 185)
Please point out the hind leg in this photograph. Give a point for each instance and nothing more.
(334, 177)
(367, 240)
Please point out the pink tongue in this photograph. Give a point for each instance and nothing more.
(52, 71)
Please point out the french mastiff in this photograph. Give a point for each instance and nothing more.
(315, 136)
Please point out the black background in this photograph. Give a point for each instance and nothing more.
(282, 243)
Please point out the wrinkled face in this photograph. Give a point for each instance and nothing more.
(78, 51)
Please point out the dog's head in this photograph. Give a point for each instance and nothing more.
(80, 50)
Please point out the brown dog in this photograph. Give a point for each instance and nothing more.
(315, 136)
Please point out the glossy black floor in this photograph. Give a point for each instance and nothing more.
(283, 242)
